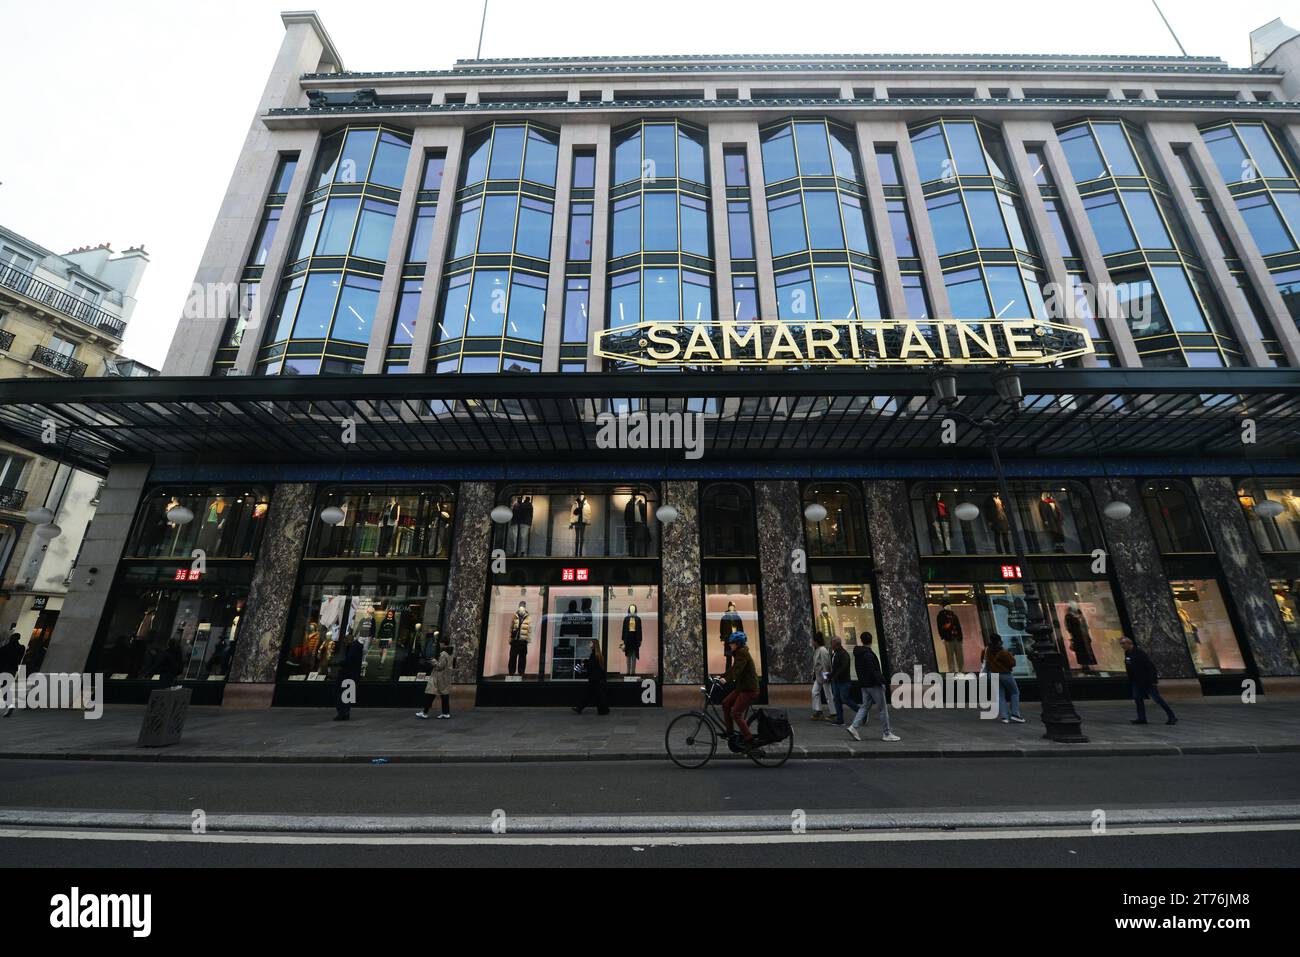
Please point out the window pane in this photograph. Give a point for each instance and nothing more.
(745, 295)
(887, 164)
(662, 297)
(901, 227)
(986, 217)
(948, 220)
(584, 170)
(434, 167)
(375, 230)
(476, 151)
(661, 221)
(1262, 151)
(1109, 224)
(580, 232)
(918, 305)
(498, 231)
(1011, 213)
(844, 154)
(507, 152)
(408, 305)
(541, 159)
(966, 294)
(336, 228)
(284, 175)
(625, 300)
(1265, 224)
(283, 315)
(327, 163)
(814, 156)
(627, 225)
(1229, 155)
(834, 293)
(487, 304)
(1114, 144)
(855, 224)
(695, 226)
(692, 157)
(778, 156)
(354, 164)
(452, 323)
(576, 296)
(785, 221)
(1289, 203)
(697, 297)
(867, 293)
(1146, 220)
(265, 236)
(661, 150)
(627, 160)
(967, 153)
(931, 151)
(794, 296)
(1007, 292)
(466, 228)
(740, 229)
(1179, 300)
(527, 307)
(317, 305)
(735, 165)
(356, 311)
(390, 161)
(1082, 154)
(421, 234)
(1063, 238)
(534, 229)
(824, 219)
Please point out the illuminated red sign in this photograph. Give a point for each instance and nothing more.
(1011, 571)
(574, 575)
(186, 575)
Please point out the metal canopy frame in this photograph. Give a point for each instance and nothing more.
(787, 415)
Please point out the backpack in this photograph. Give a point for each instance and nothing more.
(773, 725)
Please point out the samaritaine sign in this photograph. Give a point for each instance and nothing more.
(844, 342)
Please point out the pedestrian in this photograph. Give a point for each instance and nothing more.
(999, 662)
(11, 655)
(170, 664)
(841, 681)
(1143, 678)
(871, 687)
(354, 655)
(821, 688)
(743, 678)
(439, 682)
(594, 669)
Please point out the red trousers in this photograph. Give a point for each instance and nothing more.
(734, 706)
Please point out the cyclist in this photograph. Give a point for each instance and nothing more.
(743, 677)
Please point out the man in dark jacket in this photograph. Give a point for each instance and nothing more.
(841, 681)
(350, 670)
(871, 687)
(1142, 676)
(11, 655)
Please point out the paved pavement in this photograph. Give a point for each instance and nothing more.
(1207, 726)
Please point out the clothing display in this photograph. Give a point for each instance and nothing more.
(826, 625)
(940, 523)
(630, 638)
(1076, 627)
(950, 633)
(636, 531)
(521, 524)
(729, 624)
(1053, 519)
(995, 513)
(521, 630)
(581, 513)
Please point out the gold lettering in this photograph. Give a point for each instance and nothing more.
(1021, 334)
(814, 340)
(966, 333)
(662, 335)
(700, 343)
(911, 331)
(752, 339)
(782, 341)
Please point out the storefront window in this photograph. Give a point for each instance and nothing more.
(1273, 533)
(225, 522)
(396, 615)
(545, 632)
(1056, 518)
(842, 531)
(1172, 512)
(385, 522)
(1087, 625)
(154, 607)
(593, 521)
(1206, 626)
(1286, 592)
(726, 521)
(730, 608)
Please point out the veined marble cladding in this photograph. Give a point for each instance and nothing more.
(1140, 577)
(467, 576)
(787, 602)
(681, 607)
(1243, 571)
(900, 597)
(271, 594)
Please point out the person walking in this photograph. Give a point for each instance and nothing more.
(821, 687)
(743, 678)
(170, 665)
(1000, 662)
(354, 655)
(871, 687)
(841, 681)
(595, 672)
(1143, 678)
(439, 682)
(11, 655)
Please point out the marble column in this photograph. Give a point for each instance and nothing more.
(681, 603)
(900, 597)
(467, 576)
(1132, 552)
(1245, 577)
(787, 603)
(270, 596)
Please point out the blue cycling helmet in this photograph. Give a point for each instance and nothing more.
(738, 636)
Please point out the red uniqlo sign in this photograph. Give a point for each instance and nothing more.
(574, 575)
(1011, 571)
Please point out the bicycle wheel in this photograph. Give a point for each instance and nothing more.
(691, 740)
(773, 755)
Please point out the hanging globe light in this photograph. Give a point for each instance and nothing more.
(179, 515)
(502, 514)
(967, 511)
(332, 515)
(666, 514)
(40, 516)
(48, 531)
(1268, 508)
(1117, 510)
(816, 512)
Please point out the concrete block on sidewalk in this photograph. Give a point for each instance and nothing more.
(164, 718)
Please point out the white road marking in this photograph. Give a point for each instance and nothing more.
(641, 840)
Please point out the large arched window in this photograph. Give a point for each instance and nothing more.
(384, 522)
(727, 521)
(842, 532)
(1175, 520)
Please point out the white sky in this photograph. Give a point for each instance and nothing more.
(123, 120)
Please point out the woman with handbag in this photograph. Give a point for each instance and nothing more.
(439, 682)
(594, 669)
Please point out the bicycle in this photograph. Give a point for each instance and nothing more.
(692, 738)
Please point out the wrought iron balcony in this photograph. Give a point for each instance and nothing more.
(6, 339)
(12, 498)
(28, 285)
(58, 362)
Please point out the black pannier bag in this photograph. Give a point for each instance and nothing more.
(773, 725)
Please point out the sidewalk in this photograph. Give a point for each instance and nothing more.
(1206, 726)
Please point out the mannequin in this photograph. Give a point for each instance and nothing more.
(581, 519)
(631, 638)
(438, 524)
(521, 524)
(949, 627)
(1076, 627)
(1202, 653)
(1053, 520)
(730, 623)
(940, 523)
(634, 525)
(995, 513)
(826, 624)
(388, 526)
(521, 630)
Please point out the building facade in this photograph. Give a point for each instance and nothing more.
(638, 351)
(61, 317)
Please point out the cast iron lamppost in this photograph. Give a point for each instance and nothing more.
(1061, 721)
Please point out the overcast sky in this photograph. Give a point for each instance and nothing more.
(123, 118)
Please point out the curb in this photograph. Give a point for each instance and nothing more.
(643, 824)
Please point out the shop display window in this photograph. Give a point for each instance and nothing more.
(846, 612)
(1272, 533)
(1286, 592)
(730, 608)
(545, 632)
(385, 522)
(225, 522)
(1206, 626)
(1055, 517)
(594, 521)
(843, 530)
(727, 521)
(1175, 520)
(1087, 625)
(964, 616)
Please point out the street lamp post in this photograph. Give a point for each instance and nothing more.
(1060, 720)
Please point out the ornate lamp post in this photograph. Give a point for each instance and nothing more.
(1061, 721)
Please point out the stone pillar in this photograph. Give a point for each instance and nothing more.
(1132, 551)
(904, 620)
(270, 597)
(467, 577)
(101, 549)
(787, 603)
(681, 603)
(1245, 577)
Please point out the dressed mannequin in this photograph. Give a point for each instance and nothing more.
(634, 525)
(439, 522)
(1053, 520)
(995, 513)
(826, 624)
(729, 624)
(521, 524)
(631, 638)
(388, 526)
(521, 630)
(581, 519)
(1076, 626)
(949, 627)
(940, 523)
(1203, 653)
